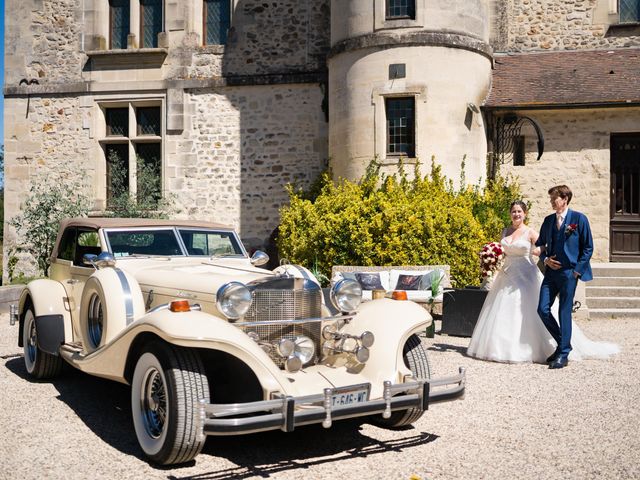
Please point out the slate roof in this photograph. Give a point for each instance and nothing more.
(567, 78)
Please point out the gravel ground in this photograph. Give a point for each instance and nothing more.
(516, 421)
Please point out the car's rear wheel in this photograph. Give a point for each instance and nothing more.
(39, 364)
(167, 384)
(415, 358)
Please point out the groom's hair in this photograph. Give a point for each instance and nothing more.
(561, 191)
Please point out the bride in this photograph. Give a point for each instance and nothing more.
(509, 328)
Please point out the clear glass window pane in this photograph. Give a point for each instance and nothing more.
(210, 243)
(151, 22)
(117, 170)
(216, 21)
(148, 120)
(401, 9)
(148, 174)
(117, 122)
(119, 23)
(400, 126)
(150, 242)
(67, 245)
(629, 11)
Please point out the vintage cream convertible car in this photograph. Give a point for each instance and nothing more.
(213, 345)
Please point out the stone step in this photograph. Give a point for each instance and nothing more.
(614, 313)
(611, 291)
(613, 302)
(614, 281)
(616, 270)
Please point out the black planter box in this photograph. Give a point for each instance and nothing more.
(460, 311)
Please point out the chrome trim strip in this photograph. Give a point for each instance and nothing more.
(128, 299)
(13, 314)
(276, 414)
(293, 322)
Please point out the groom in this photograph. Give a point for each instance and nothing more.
(568, 245)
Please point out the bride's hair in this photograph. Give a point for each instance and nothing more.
(521, 204)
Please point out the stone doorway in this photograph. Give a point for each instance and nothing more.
(624, 227)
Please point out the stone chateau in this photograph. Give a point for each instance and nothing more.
(230, 100)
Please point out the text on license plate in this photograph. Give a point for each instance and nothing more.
(347, 398)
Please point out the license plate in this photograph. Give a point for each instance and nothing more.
(350, 396)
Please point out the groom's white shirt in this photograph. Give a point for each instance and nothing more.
(561, 216)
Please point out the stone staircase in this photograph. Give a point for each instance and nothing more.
(614, 291)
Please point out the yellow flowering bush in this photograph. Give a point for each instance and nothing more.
(393, 220)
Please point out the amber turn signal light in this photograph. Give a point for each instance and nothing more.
(180, 306)
(399, 295)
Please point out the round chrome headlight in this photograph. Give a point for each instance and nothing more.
(233, 300)
(304, 349)
(346, 295)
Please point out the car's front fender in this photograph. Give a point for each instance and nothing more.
(47, 297)
(392, 322)
(191, 329)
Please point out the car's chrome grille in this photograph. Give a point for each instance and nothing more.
(282, 305)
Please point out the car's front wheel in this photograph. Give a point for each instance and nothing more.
(167, 384)
(415, 358)
(39, 364)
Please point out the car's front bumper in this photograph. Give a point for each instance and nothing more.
(286, 413)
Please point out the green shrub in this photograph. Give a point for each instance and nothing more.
(37, 225)
(394, 220)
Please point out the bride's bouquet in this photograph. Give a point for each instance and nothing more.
(491, 259)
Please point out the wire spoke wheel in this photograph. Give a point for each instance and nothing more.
(95, 320)
(154, 403)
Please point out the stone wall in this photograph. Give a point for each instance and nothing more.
(281, 36)
(558, 25)
(576, 154)
(240, 149)
(42, 41)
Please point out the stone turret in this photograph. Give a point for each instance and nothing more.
(436, 56)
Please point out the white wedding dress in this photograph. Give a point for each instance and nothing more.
(509, 328)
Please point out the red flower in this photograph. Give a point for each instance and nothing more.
(572, 227)
(491, 257)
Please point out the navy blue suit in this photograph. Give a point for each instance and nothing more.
(573, 248)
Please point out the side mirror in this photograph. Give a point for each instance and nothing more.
(89, 259)
(259, 258)
(105, 259)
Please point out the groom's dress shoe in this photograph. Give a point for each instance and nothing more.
(552, 357)
(559, 362)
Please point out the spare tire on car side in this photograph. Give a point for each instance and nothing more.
(111, 299)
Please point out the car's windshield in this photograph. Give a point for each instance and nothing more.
(143, 242)
(210, 243)
(163, 241)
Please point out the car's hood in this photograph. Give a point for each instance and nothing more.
(191, 274)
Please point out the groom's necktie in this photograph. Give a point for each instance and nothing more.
(559, 220)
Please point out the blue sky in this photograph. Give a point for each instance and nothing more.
(2, 72)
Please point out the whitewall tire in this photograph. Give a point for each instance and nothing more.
(39, 364)
(168, 382)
